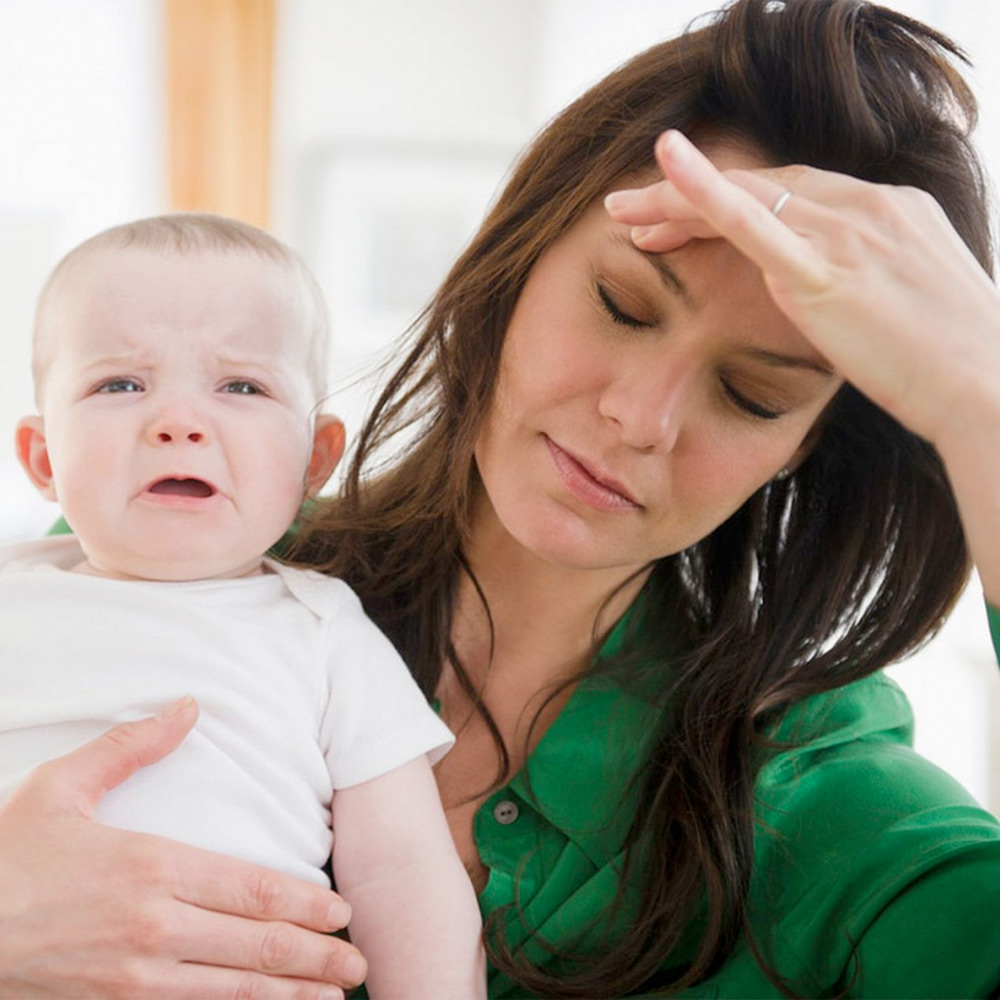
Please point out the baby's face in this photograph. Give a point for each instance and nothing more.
(177, 410)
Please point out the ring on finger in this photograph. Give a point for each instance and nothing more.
(781, 201)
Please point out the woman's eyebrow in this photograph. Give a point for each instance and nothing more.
(778, 360)
(667, 275)
(670, 279)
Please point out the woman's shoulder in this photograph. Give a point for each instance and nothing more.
(843, 762)
(873, 709)
(855, 828)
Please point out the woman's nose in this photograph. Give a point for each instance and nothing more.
(649, 404)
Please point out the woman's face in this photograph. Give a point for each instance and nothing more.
(641, 399)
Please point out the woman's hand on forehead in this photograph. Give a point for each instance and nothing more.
(873, 275)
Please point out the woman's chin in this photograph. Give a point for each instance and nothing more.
(572, 544)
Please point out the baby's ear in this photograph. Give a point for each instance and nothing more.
(33, 453)
(328, 446)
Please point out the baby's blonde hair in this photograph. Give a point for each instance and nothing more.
(193, 232)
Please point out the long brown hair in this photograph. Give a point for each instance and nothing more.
(820, 579)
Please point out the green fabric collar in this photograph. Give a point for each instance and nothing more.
(573, 778)
(575, 772)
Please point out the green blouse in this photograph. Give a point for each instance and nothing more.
(876, 874)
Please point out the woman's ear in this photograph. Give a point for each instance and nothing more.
(802, 452)
(328, 446)
(33, 454)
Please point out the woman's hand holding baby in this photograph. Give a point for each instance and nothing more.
(148, 917)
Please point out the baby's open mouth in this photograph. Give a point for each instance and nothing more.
(182, 488)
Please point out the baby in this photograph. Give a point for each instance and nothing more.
(179, 367)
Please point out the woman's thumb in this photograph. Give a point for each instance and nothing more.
(77, 781)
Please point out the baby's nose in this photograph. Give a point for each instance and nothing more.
(167, 436)
(177, 423)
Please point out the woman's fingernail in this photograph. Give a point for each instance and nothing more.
(174, 708)
(640, 234)
(672, 142)
(339, 914)
(615, 200)
(355, 968)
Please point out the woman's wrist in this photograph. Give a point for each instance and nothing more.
(968, 441)
(968, 418)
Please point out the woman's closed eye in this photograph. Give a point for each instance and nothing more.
(750, 406)
(750, 399)
(620, 315)
(762, 397)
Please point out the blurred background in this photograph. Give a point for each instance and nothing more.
(371, 135)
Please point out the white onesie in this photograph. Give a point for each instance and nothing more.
(300, 695)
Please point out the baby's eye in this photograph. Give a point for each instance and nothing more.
(120, 385)
(241, 387)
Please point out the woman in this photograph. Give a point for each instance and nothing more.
(674, 495)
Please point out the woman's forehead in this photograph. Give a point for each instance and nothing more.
(709, 277)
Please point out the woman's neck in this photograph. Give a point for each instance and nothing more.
(544, 617)
(521, 659)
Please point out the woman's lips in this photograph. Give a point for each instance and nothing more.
(597, 491)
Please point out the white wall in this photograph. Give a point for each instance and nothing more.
(395, 123)
(80, 137)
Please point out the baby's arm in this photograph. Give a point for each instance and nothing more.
(415, 917)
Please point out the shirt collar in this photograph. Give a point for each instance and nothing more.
(578, 777)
